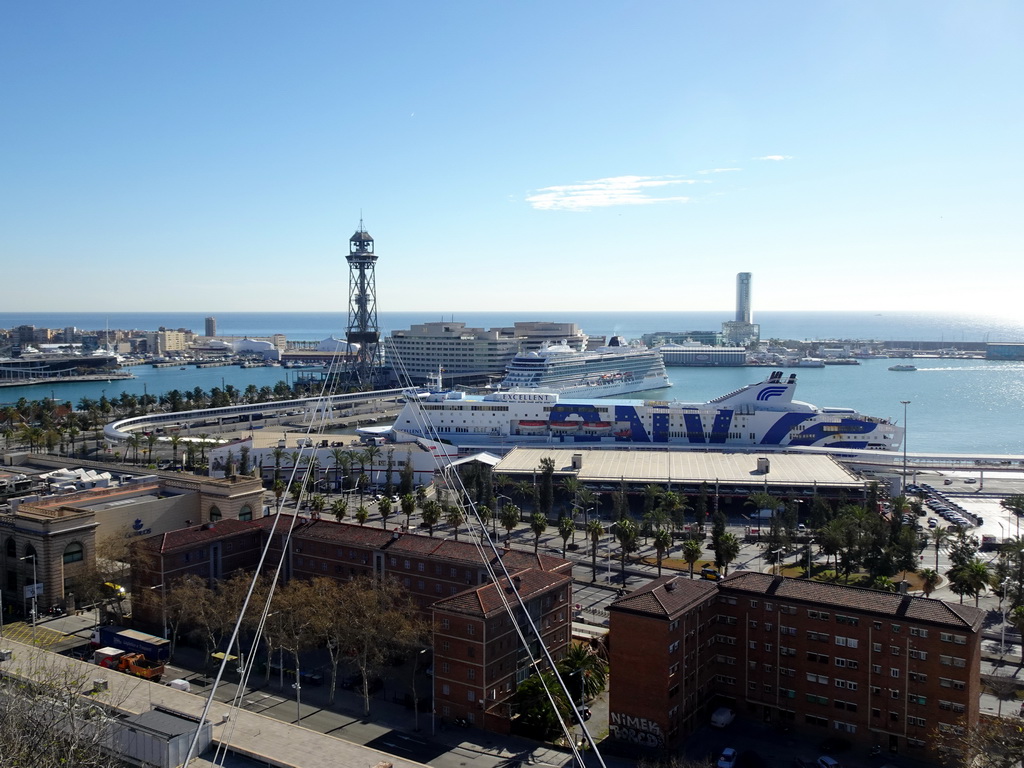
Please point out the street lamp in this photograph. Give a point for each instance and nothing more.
(1002, 603)
(903, 483)
(35, 591)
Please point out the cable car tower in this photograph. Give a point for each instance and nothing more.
(366, 368)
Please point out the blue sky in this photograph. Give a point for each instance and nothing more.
(519, 155)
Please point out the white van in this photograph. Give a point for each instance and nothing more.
(181, 685)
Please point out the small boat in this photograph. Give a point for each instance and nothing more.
(565, 426)
(903, 367)
(182, 368)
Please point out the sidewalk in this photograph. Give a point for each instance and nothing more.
(390, 726)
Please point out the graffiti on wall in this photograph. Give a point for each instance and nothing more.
(635, 730)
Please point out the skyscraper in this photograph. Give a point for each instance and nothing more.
(211, 326)
(743, 312)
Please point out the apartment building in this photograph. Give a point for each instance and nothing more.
(881, 669)
(479, 656)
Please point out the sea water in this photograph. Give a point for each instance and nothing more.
(958, 406)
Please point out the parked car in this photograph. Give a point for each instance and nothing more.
(722, 717)
(727, 759)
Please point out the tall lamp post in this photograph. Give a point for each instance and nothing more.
(903, 484)
(35, 590)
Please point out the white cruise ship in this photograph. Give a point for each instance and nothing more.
(616, 369)
(763, 414)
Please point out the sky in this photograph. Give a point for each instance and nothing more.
(569, 155)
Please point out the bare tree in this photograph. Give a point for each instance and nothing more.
(47, 722)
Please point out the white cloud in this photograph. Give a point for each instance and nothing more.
(775, 157)
(720, 170)
(602, 193)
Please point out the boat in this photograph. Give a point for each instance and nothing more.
(841, 361)
(762, 415)
(806, 362)
(615, 369)
(903, 367)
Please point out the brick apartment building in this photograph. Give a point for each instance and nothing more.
(477, 658)
(871, 667)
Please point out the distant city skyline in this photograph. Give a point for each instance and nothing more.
(571, 156)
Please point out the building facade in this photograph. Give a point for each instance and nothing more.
(479, 658)
(881, 669)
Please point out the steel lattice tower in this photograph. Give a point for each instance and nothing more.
(366, 370)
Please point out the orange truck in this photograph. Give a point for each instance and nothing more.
(131, 663)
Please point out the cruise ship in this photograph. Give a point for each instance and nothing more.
(761, 415)
(615, 369)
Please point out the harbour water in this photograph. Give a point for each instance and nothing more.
(959, 406)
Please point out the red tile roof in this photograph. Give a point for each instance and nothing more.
(490, 599)
(666, 596)
(200, 534)
(887, 604)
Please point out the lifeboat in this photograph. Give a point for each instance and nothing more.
(597, 427)
(532, 427)
(561, 427)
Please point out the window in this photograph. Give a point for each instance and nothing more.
(215, 513)
(876, 647)
(470, 629)
(673, 647)
(73, 553)
(922, 655)
(918, 677)
(245, 513)
(918, 632)
(919, 722)
(894, 672)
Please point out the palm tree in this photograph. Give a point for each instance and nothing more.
(627, 533)
(370, 454)
(585, 673)
(133, 442)
(340, 456)
(662, 542)
(362, 514)
(384, 508)
(175, 441)
(431, 514)
(728, 549)
(408, 504)
(317, 504)
(596, 530)
(929, 579)
(509, 519)
(538, 524)
(486, 515)
(339, 507)
(566, 528)
(455, 517)
(692, 552)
